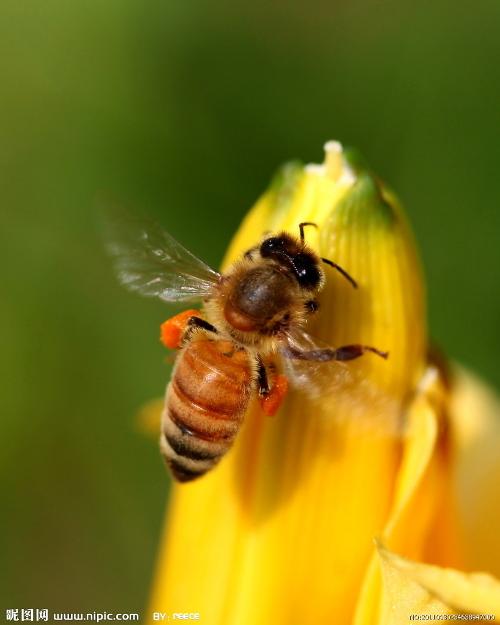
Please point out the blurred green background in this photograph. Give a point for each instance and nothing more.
(184, 110)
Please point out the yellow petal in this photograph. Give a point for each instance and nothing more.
(412, 588)
(281, 531)
(422, 521)
(475, 427)
(447, 509)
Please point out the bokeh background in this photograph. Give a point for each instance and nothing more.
(184, 110)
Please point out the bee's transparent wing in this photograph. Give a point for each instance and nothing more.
(345, 387)
(151, 262)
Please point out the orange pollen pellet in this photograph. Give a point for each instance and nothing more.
(172, 329)
(271, 403)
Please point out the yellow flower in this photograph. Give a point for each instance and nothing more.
(283, 531)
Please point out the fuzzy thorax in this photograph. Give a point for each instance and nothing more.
(257, 302)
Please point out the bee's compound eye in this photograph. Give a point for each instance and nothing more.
(306, 270)
(271, 246)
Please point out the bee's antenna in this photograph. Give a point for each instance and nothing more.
(340, 270)
(302, 226)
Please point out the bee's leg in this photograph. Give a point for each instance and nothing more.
(270, 399)
(175, 329)
(172, 330)
(262, 380)
(197, 322)
(347, 352)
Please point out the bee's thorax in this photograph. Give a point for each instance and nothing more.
(258, 298)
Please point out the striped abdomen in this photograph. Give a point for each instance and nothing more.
(204, 407)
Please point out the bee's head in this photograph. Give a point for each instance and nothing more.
(291, 254)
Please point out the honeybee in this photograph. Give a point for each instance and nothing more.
(254, 317)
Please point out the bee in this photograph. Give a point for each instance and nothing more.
(254, 316)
